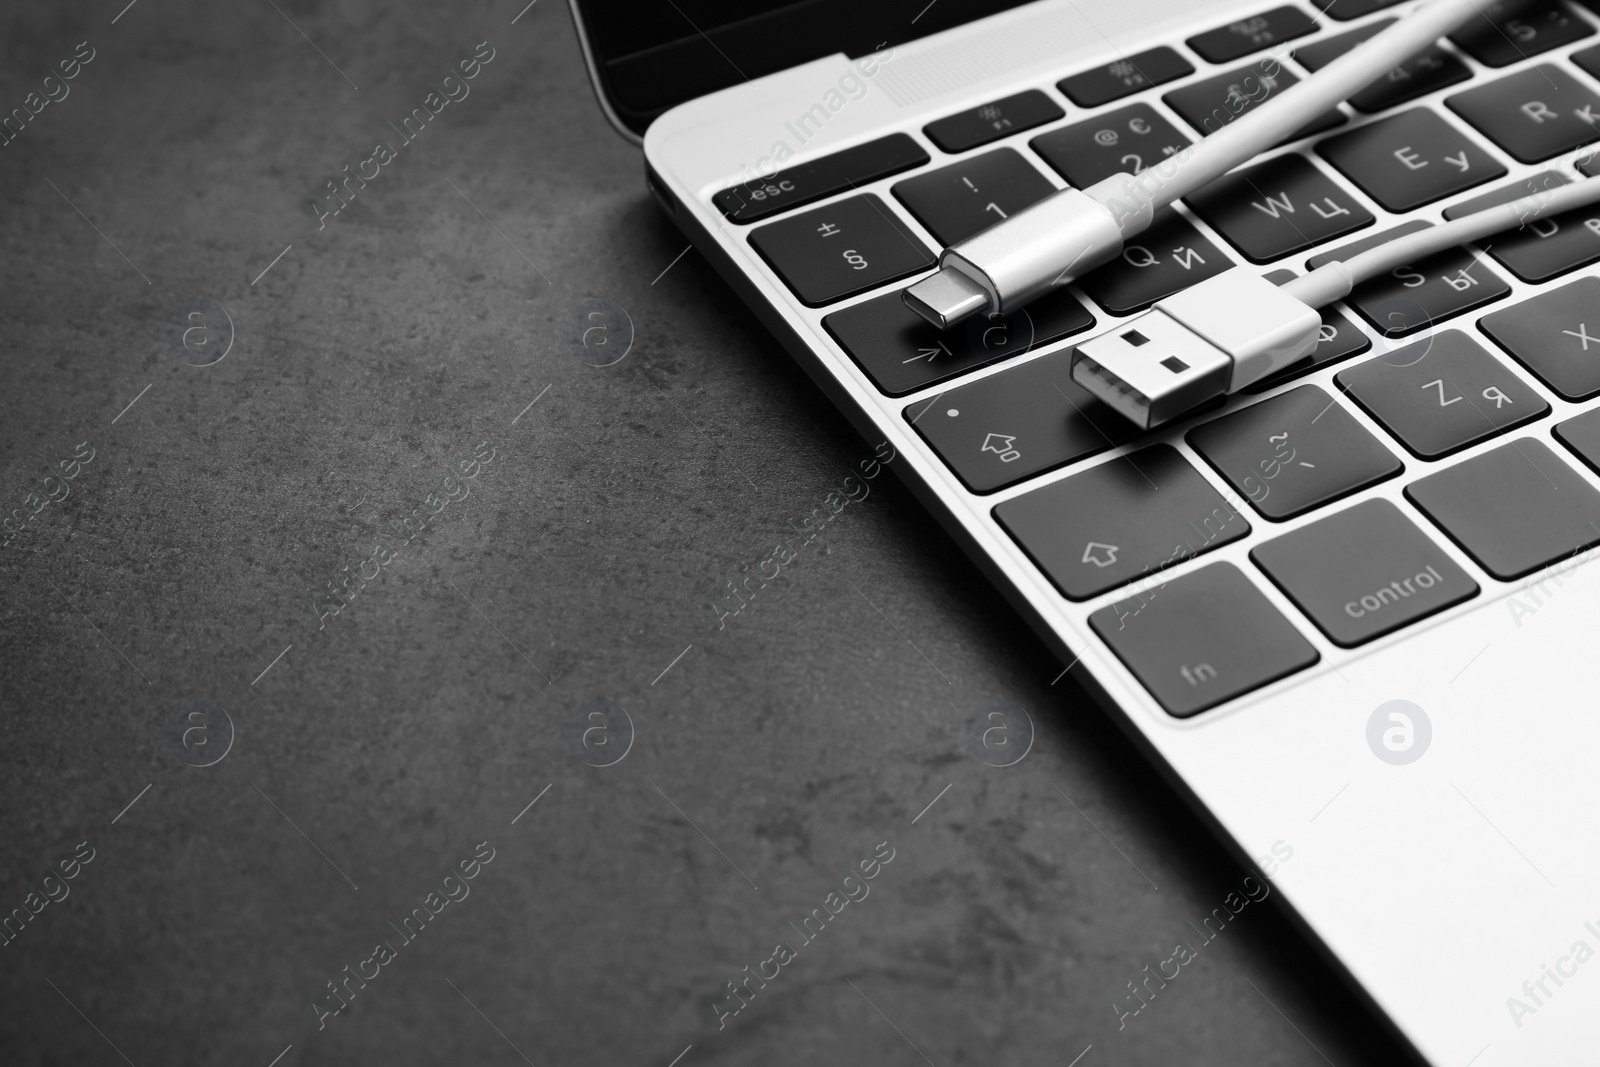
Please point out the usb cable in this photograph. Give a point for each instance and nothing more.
(1073, 231)
(1219, 335)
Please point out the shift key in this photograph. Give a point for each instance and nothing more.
(1127, 518)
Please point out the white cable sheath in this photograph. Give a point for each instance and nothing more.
(1333, 281)
(1235, 328)
(1061, 237)
(1134, 197)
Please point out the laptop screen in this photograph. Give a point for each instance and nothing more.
(649, 57)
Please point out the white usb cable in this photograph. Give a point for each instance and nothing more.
(1220, 335)
(1073, 231)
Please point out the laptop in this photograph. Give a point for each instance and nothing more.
(1350, 611)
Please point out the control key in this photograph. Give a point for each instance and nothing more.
(1364, 572)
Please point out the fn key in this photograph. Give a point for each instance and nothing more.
(1203, 639)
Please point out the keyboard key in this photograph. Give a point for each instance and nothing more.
(1582, 435)
(1412, 298)
(1319, 54)
(957, 201)
(1543, 248)
(1509, 30)
(1442, 394)
(980, 125)
(1211, 104)
(1227, 43)
(1019, 422)
(1281, 206)
(1514, 509)
(1128, 139)
(1534, 114)
(1589, 166)
(1410, 159)
(1344, 10)
(1339, 340)
(1130, 516)
(1124, 77)
(806, 182)
(1549, 334)
(1168, 257)
(1294, 452)
(1430, 69)
(1588, 61)
(1364, 572)
(902, 352)
(1203, 639)
(839, 250)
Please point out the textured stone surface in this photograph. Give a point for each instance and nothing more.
(366, 365)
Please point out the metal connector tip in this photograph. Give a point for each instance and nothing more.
(1152, 369)
(946, 297)
(1112, 391)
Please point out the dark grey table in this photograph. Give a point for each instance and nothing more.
(488, 413)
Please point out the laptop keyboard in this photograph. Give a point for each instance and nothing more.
(1122, 535)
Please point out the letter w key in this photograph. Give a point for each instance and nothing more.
(1275, 204)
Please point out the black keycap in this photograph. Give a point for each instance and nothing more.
(1168, 257)
(1294, 452)
(1339, 339)
(1203, 639)
(1364, 572)
(1441, 394)
(980, 125)
(1212, 103)
(1128, 139)
(1534, 114)
(1505, 32)
(1124, 77)
(1514, 508)
(1549, 334)
(1589, 166)
(1430, 69)
(1582, 435)
(1130, 516)
(1227, 43)
(1344, 10)
(1410, 159)
(1411, 298)
(957, 201)
(805, 182)
(1588, 61)
(1318, 54)
(842, 249)
(1281, 206)
(903, 352)
(1544, 248)
(1019, 422)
